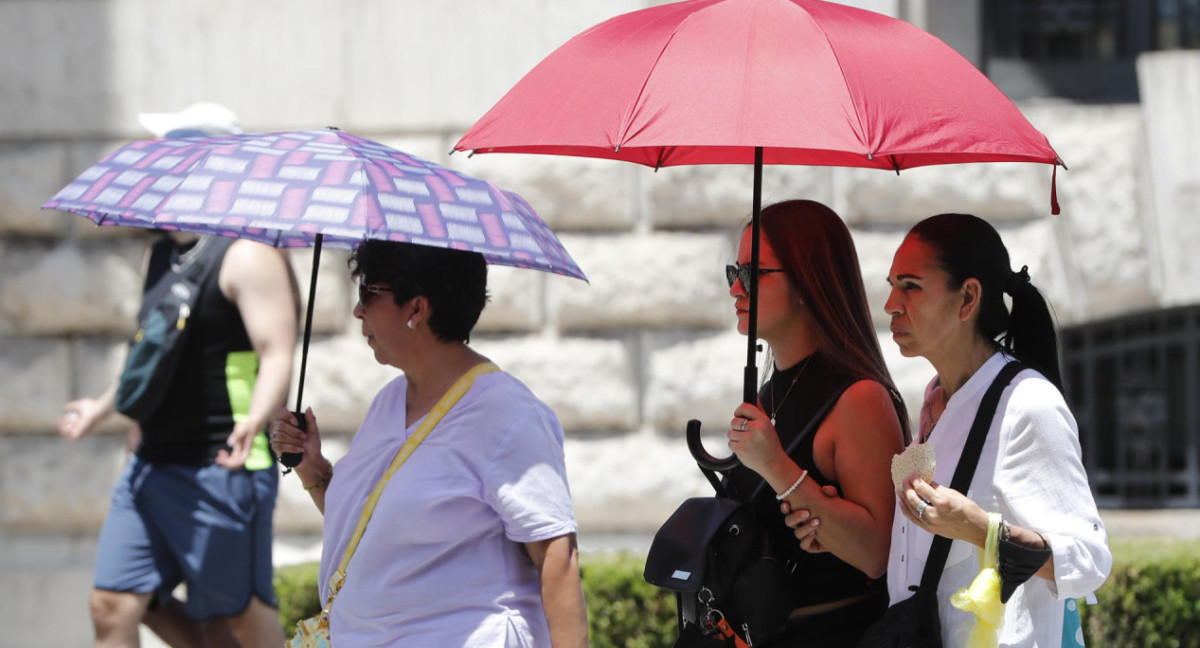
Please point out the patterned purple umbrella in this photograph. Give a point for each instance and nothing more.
(286, 189)
(299, 189)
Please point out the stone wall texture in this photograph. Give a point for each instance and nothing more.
(624, 360)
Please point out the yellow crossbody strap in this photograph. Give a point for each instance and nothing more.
(435, 415)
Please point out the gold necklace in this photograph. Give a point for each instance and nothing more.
(774, 409)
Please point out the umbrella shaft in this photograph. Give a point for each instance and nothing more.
(750, 379)
(312, 294)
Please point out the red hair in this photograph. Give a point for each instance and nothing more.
(817, 254)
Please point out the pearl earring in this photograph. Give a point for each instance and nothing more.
(410, 324)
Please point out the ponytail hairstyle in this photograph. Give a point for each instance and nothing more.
(817, 254)
(968, 247)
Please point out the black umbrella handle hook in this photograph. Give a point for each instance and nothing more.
(702, 457)
(750, 375)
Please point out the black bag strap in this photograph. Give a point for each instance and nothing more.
(809, 430)
(160, 260)
(813, 424)
(965, 471)
(165, 252)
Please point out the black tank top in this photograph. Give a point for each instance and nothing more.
(819, 577)
(196, 416)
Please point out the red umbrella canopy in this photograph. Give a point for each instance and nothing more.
(707, 81)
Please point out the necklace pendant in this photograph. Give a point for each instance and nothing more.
(772, 421)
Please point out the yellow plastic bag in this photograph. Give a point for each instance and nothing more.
(982, 597)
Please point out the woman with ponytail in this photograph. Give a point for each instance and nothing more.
(948, 281)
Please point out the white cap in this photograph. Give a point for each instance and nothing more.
(204, 118)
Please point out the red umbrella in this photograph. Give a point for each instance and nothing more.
(760, 81)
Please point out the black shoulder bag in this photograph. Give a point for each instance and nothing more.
(162, 330)
(914, 622)
(715, 555)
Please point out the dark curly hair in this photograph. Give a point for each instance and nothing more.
(454, 281)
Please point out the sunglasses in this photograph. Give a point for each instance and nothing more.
(367, 291)
(741, 273)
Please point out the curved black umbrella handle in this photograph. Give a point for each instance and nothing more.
(292, 459)
(701, 455)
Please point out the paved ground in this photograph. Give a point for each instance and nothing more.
(1180, 523)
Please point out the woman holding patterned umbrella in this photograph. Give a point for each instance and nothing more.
(472, 541)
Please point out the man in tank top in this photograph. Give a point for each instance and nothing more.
(196, 500)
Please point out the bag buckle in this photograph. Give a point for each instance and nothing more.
(715, 623)
(723, 630)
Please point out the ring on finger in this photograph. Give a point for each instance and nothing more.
(921, 506)
(742, 425)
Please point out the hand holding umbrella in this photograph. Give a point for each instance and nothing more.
(309, 188)
(759, 82)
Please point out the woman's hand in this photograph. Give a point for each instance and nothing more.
(285, 436)
(805, 525)
(942, 511)
(754, 440)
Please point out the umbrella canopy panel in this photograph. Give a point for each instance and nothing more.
(811, 82)
(284, 189)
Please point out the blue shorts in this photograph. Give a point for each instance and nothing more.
(206, 526)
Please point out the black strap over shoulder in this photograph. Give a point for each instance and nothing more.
(724, 488)
(965, 471)
(165, 251)
(160, 260)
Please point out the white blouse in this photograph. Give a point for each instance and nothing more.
(1030, 472)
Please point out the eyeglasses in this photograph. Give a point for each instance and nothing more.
(741, 273)
(367, 291)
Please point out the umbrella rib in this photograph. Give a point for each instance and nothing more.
(857, 117)
(623, 134)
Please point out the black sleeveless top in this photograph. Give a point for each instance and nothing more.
(196, 416)
(818, 577)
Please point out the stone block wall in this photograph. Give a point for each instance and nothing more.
(624, 360)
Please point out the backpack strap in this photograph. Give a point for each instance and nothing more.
(161, 254)
(165, 252)
(965, 471)
(724, 488)
(809, 430)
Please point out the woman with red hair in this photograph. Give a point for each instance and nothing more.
(812, 311)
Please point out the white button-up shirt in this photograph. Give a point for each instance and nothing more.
(1030, 472)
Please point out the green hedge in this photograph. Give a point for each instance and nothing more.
(624, 611)
(296, 587)
(1151, 600)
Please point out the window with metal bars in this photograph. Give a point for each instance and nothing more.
(1134, 386)
(1082, 49)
